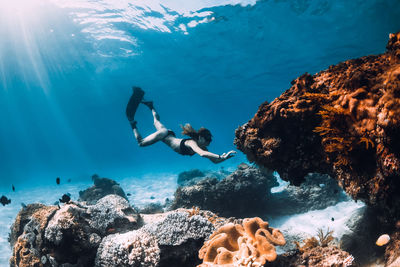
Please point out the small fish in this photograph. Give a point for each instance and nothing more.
(69, 180)
(65, 198)
(4, 200)
(332, 219)
(111, 230)
(129, 194)
(383, 240)
(13, 188)
(58, 180)
(152, 197)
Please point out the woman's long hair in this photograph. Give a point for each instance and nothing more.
(188, 130)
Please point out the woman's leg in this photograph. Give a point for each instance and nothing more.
(160, 134)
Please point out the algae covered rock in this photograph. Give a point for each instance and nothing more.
(26, 235)
(101, 188)
(135, 248)
(244, 192)
(171, 239)
(343, 121)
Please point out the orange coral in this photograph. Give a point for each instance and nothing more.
(251, 243)
(343, 121)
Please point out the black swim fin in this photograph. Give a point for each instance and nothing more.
(134, 102)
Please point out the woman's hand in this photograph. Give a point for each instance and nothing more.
(228, 155)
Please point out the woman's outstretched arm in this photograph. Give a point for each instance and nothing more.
(207, 154)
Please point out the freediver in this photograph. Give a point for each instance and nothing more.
(196, 144)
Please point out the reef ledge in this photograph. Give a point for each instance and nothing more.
(344, 122)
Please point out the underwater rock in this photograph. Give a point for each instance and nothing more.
(317, 192)
(169, 239)
(101, 188)
(344, 122)
(331, 256)
(70, 235)
(243, 193)
(152, 208)
(113, 212)
(194, 176)
(359, 241)
(135, 248)
(392, 253)
(187, 176)
(109, 233)
(180, 235)
(26, 235)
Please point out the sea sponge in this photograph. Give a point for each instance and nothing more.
(251, 243)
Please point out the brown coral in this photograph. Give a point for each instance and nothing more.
(26, 237)
(344, 121)
(251, 242)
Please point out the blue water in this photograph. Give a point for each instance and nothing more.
(67, 66)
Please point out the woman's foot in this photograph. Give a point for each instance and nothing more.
(133, 124)
(149, 104)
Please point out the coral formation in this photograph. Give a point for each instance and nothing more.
(326, 256)
(109, 233)
(134, 248)
(249, 244)
(392, 252)
(344, 121)
(26, 235)
(101, 188)
(324, 238)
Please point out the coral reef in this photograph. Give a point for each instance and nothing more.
(69, 234)
(26, 235)
(344, 122)
(134, 248)
(392, 253)
(101, 188)
(318, 251)
(179, 237)
(109, 233)
(243, 193)
(330, 256)
(249, 244)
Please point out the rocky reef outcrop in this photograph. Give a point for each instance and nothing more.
(344, 122)
(193, 176)
(170, 239)
(50, 235)
(101, 188)
(109, 233)
(244, 193)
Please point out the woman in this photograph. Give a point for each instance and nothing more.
(196, 144)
